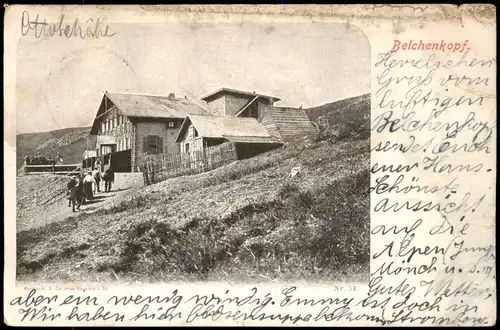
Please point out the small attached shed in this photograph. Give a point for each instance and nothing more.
(249, 137)
(287, 123)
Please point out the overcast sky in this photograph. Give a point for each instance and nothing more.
(60, 81)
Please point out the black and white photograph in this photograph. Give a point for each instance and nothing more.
(192, 151)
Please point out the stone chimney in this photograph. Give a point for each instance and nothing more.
(171, 97)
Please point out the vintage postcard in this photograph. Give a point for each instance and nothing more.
(248, 165)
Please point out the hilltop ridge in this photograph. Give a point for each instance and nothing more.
(70, 143)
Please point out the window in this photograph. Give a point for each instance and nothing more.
(115, 121)
(187, 147)
(152, 141)
(106, 150)
(120, 121)
(108, 125)
(103, 127)
(253, 112)
(153, 144)
(192, 132)
(171, 124)
(127, 143)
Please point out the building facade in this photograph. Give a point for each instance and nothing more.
(130, 126)
(127, 127)
(251, 121)
(231, 102)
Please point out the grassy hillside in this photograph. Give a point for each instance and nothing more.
(27, 185)
(248, 221)
(346, 119)
(69, 142)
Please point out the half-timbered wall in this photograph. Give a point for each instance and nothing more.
(113, 123)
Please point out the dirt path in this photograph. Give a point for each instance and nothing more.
(35, 217)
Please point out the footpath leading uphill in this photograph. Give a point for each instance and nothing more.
(31, 216)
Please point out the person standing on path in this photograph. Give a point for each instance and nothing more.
(76, 192)
(97, 164)
(79, 195)
(96, 173)
(88, 182)
(109, 177)
(52, 162)
(71, 194)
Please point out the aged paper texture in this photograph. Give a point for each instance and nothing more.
(250, 165)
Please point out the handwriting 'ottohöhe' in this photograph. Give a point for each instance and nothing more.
(39, 28)
(442, 46)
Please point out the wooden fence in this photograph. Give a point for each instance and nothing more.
(54, 191)
(55, 169)
(160, 167)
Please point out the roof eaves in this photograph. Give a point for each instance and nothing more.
(229, 90)
(182, 129)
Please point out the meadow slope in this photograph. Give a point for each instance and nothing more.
(248, 221)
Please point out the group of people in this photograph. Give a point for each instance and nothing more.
(81, 188)
(43, 160)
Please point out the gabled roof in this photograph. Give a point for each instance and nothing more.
(134, 105)
(148, 106)
(224, 90)
(226, 127)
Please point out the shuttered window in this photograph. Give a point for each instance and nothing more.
(153, 144)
